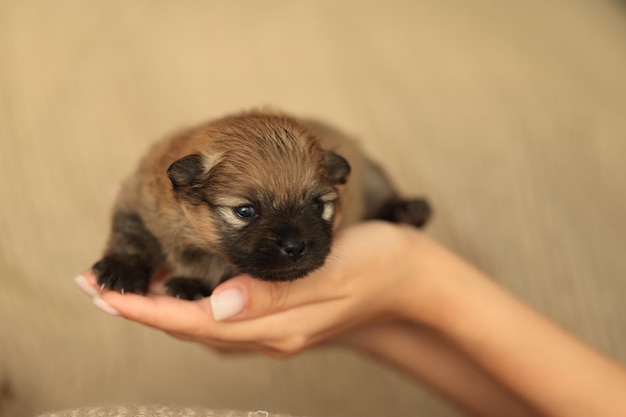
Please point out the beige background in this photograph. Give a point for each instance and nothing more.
(509, 115)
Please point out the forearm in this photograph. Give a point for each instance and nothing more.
(551, 370)
(429, 358)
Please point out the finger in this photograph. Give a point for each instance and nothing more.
(281, 334)
(230, 347)
(88, 282)
(162, 312)
(192, 320)
(244, 297)
(291, 329)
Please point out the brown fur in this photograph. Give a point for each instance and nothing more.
(187, 189)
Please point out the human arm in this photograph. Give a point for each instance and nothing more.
(381, 275)
(557, 374)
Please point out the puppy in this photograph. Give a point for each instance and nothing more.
(258, 193)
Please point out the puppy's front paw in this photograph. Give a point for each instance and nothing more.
(122, 273)
(188, 288)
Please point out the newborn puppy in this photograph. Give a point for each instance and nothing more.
(257, 193)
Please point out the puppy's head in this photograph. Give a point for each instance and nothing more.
(267, 189)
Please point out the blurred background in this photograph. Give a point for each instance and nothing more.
(510, 116)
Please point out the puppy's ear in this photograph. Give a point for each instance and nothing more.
(188, 171)
(190, 174)
(338, 168)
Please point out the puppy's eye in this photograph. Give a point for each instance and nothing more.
(246, 212)
(318, 206)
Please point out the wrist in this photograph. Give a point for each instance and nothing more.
(436, 284)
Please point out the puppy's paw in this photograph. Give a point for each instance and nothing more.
(188, 288)
(122, 274)
(415, 212)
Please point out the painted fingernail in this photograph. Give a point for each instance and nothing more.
(227, 303)
(102, 305)
(84, 286)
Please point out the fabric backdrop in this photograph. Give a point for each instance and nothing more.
(508, 115)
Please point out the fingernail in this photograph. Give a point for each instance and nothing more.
(84, 286)
(102, 305)
(227, 303)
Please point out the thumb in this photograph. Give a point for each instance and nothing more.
(244, 297)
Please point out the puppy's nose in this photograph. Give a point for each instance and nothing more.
(292, 248)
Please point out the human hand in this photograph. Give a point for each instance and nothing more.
(391, 291)
(372, 275)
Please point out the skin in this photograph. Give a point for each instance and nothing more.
(394, 293)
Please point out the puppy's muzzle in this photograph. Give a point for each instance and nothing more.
(291, 248)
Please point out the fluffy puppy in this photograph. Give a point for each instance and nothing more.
(258, 193)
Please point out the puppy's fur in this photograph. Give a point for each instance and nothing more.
(258, 192)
